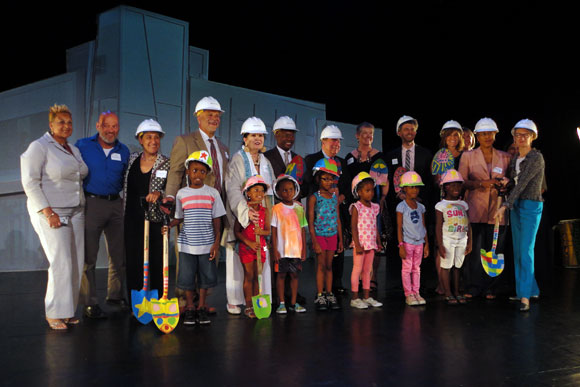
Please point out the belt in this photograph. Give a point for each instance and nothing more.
(106, 197)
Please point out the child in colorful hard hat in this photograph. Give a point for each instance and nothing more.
(453, 233)
(412, 236)
(288, 240)
(248, 247)
(325, 230)
(200, 208)
(365, 239)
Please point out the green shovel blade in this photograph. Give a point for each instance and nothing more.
(262, 305)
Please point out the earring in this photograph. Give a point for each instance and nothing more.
(263, 149)
(246, 149)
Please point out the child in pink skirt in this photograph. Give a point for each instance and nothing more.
(365, 239)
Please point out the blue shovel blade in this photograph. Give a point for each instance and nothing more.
(140, 301)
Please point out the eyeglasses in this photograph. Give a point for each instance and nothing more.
(522, 135)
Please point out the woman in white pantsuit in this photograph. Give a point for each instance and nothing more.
(52, 176)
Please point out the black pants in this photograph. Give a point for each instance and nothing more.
(476, 280)
(134, 236)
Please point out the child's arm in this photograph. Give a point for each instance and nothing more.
(379, 243)
(402, 251)
(239, 236)
(311, 203)
(266, 230)
(214, 252)
(173, 223)
(354, 230)
(469, 246)
(339, 230)
(439, 233)
(274, 240)
(426, 247)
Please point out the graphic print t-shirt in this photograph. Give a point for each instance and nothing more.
(455, 221)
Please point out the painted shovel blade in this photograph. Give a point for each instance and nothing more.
(165, 314)
(141, 304)
(262, 305)
(492, 264)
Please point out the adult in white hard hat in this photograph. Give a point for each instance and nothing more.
(52, 177)
(145, 177)
(483, 168)
(524, 199)
(330, 139)
(281, 155)
(247, 162)
(452, 139)
(208, 113)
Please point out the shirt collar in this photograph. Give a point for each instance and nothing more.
(205, 136)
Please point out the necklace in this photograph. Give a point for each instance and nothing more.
(360, 156)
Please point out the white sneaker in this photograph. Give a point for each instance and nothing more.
(359, 304)
(372, 302)
(233, 309)
(411, 300)
(420, 299)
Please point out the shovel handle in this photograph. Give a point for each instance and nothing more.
(496, 227)
(146, 256)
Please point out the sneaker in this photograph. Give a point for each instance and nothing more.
(411, 300)
(358, 304)
(331, 300)
(281, 309)
(297, 308)
(320, 302)
(372, 302)
(420, 299)
(233, 309)
(202, 317)
(94, 311)
(190, 317)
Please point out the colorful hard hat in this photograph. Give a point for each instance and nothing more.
(283, 177)
(199, 156)
(208, 103)
(451, 124)
(380, 172)
(285, 123)
(149, 125)
(526, 124)
(405, 119)
(326, 165)
(411, 179)
(252, 181)
(253, 125)
(331, 131)
(451, 176)
(362, 176)
(485, 125)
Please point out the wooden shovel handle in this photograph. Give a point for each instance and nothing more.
(146, 256)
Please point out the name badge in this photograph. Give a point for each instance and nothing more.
(395, 161)
(115, 156)
(161, 174)
(350, 161)
(497, 170)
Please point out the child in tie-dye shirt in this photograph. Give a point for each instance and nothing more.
(288, 240)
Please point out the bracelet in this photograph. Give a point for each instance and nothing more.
(400, 244)
(50, 216)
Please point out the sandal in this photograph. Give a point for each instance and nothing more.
(71, 321)
(57, 324)
(450, 300)
(490, 296)
(461, 299)
(249, 312)
(468, 296)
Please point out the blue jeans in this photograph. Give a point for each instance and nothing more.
(525, 220)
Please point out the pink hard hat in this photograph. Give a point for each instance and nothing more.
(451, 176)
(411, 179)
(255, 180)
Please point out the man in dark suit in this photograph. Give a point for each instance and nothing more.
(330, 146)
(285, 134)
(412, 157)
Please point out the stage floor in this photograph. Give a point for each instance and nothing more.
(481, 343)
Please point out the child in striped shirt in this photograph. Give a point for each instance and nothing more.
(200, 208)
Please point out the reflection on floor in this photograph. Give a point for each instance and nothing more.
(482, 343)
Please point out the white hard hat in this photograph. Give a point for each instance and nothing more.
(526, 124)
(285, 123)
(485, 125)
(331, 131)
(149, 125)
(253, 125)
(208, 103)
(451, 124)
(404, 119)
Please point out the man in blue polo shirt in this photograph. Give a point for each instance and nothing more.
(107, 160)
